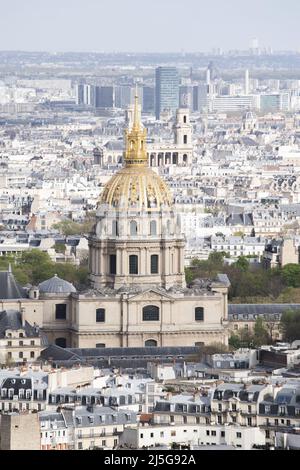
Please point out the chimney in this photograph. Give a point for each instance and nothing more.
(23, 316)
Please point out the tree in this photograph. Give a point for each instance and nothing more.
(60, 248)
(35, 266)
(247, 340)
(291, 275)
(188, 276)
(290, 325)
(234, 341)
(260, 333)
(242, 263)
(271, 326)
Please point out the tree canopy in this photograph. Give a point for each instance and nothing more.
(35, 266)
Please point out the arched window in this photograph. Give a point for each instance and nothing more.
(185, 139)
(114, 228)
(153, 227)
(133, 228)
(61, 342)
(199, 314)
(151, 313)
(184, 158)
(184, 119)
(133, 264)
(151, 342)
(154, 264)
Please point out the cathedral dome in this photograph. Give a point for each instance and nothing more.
(137, 189)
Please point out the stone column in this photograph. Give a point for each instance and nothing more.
(119, 262)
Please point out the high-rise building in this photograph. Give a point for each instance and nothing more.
(275, 102)
(79, 94)
(148, 99)
(85, 94)
(166, 90)
(200, 97)
(104, 96)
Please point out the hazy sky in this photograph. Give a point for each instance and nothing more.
(148, 25)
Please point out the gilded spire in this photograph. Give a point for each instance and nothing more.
(136, 122)
(135, 146)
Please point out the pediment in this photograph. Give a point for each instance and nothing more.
(151, 294)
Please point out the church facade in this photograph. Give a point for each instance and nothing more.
(138, 295)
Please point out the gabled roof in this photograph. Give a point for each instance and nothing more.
(12, 320)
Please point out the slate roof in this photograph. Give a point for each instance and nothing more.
(114, 145)
(252, 310)
(240, 219)
(12, 320)
(71, 355)
(56, 285)
(9, 288)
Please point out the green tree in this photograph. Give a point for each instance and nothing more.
(291, 275)
(189, 276)
(60, 248)
(242, 263)
(247, 340)
(260, 333)
(290, 325)
(234, 341)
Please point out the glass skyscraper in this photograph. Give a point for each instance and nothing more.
(166, 90)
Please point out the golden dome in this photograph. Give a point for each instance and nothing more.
(138, 190)
(136, 187)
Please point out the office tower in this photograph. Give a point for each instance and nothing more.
(104, 97)
(166, 90)
(79, 94)
(85, 94)
(200, 97)
(275, 102)
(247, 82)
(123, 96)
(148, 99)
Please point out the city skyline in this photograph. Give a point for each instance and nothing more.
(192, 27)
